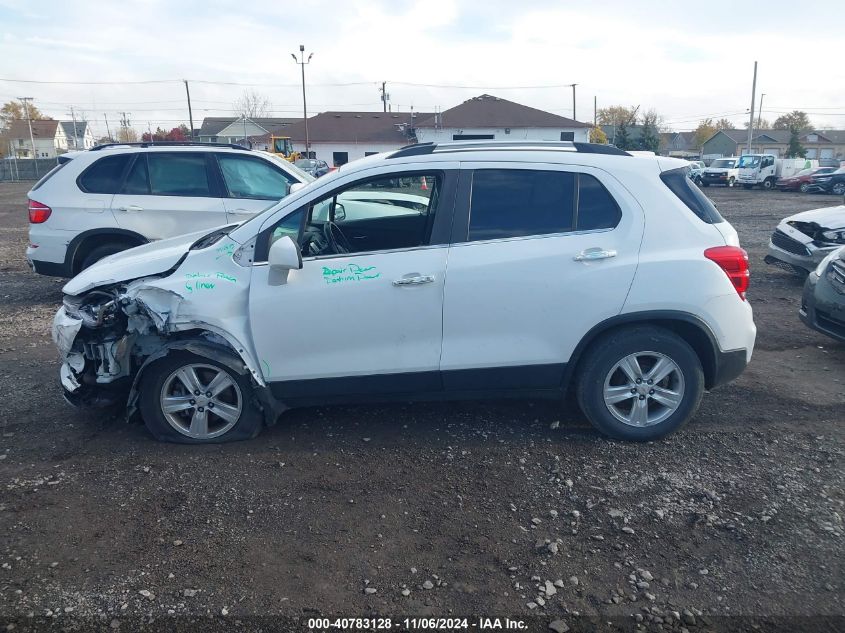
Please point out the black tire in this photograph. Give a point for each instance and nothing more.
(99, 252)
(249, 422)
(731, 181)
(601, 358)
(768, 184)
(838, 189)
(804, 187)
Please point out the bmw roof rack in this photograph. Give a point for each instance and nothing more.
(167, 144)
(471, 146)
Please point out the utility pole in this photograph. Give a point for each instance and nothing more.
(760, 113)
(753, 100)
(302, 63)
(190, 112)
(595, 111)
(25, 101)
(108, 132)
(124, 125)
(384, 96)
(573, 101)
(75, 133)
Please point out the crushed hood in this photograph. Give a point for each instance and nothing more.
(142, 261)
(827, 218)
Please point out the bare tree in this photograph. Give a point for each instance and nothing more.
(252, 104)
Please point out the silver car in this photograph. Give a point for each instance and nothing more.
(802, 240)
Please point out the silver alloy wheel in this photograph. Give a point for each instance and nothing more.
(643, 389)
(201, 401)
(839, 188)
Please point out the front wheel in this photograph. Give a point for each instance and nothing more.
(731, 181)
(189, 399)
(804, 188)
(768, 184)
(640, 383)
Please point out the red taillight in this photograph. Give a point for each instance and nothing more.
(38, 212)
(734, 261)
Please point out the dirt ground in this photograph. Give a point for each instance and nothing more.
(445, 510)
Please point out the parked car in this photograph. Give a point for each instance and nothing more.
(833, 182)
(313, 166)
(695, 169)
(570, 265)
(823, 302)
(113, 197)
(802, 240)
(722, 171)
(802, 180)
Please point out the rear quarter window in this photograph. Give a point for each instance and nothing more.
(689, 193)
(105, 175)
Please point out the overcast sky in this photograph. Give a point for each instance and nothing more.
(687, 60)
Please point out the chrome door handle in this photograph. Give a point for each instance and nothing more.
(414, 281)
(592, 254)
(131, 207)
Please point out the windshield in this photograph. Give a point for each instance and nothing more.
(282, 146)
(723, 163)
(749, 161)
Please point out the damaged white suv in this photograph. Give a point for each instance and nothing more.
(437, 271)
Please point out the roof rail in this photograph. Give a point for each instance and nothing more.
(492, 145)
(168, 144)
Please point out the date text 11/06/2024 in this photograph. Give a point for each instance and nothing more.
(416, 624)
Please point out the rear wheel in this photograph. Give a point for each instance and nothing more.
(190, 399)
(99, 252)
(640, 383)
(839, 188)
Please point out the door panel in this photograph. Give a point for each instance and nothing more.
(343, 316)
(167, 194)
(527, 301)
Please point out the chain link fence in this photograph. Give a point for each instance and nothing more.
(25, 169)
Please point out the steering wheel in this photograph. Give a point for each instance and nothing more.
(336, 239)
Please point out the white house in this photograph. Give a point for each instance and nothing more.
(340, 137)
(71, 136)
(491, 118)
(20, 143)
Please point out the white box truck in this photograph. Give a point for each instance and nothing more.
(765, 169)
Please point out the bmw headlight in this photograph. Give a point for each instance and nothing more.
(835, 236)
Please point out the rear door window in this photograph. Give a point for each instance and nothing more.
(138, 180)
(105, 175)
(519, 202)
(597, 209)
(179, 174)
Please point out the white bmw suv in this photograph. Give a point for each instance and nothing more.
(116, 196)
(461, 270)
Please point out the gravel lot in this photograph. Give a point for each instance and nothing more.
(431, 509)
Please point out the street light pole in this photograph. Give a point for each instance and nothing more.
(751, 118)
(302, 63)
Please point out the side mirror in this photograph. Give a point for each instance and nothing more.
(284, 254)
(295, 187)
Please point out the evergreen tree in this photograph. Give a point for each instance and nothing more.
(795, 149)
(622, 139)
(649, 140)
